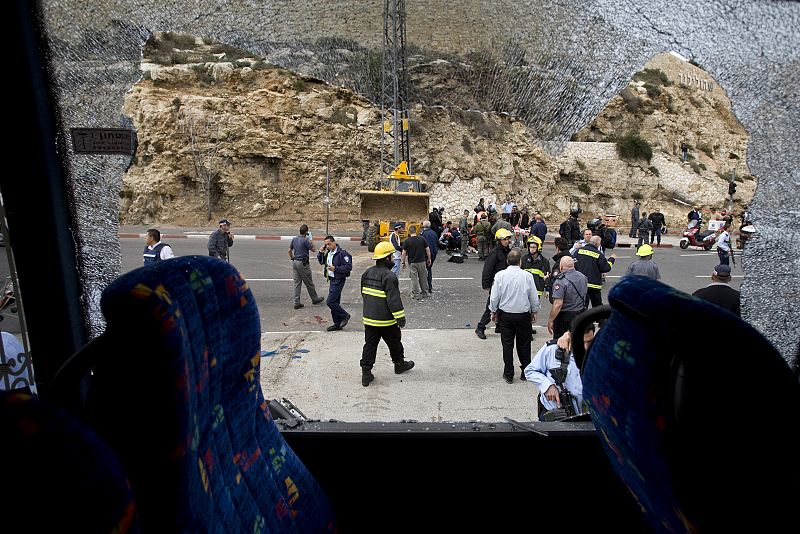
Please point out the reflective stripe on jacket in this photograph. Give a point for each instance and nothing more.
(592, 263)
(538, 267)
(381, 296)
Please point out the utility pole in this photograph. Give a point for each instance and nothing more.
(395, 146)
(327, 195)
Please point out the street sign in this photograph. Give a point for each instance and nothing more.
(103, 141)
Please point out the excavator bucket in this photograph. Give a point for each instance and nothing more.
(385, 208)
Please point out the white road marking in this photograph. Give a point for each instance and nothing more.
(291, 280)
(703, 254)
(707, 276)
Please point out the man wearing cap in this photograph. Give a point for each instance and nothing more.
(495, 262)
(220, 241)
(383, 315)
(719, 291)
(394, 239)
(644, 266)
(299, 248)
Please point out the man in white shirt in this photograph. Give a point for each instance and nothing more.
(553, 356)
(154, 249)
(513, 302)
(724, 245)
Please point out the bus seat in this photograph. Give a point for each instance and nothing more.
(57, 474)
(175, 391)
(696, 410)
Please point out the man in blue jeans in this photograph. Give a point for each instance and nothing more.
(338, 264)
(432, 239)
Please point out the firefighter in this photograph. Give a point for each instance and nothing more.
(535, 263)
(383, 313)
(592, 263)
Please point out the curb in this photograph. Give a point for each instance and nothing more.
(237, 236)
(290, 237)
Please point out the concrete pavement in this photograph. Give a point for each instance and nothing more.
(457, 377)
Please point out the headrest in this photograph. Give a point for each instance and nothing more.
(697, 412)
(176, 392)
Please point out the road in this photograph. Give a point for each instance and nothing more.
(458, 299)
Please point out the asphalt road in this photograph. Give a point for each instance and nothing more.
(458, 299)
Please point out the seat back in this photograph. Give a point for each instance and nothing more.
(57, 475)
(175, 391)
(698, 413)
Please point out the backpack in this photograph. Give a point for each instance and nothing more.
(564, 230)
(609, 238)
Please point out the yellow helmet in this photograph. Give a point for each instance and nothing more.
(645, 250)
(535, 239)
(502, 233)
(383, 249)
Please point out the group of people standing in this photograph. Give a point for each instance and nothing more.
(647, 226)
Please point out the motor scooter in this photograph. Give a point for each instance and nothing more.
(692, 236)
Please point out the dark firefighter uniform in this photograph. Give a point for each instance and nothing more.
(592, 263)
(383, 314)
(539, 267)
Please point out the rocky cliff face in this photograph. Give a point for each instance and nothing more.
(261, 138)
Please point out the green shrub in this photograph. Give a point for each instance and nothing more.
(707, 149)
(147, 75)
(181, 40)
(581, 165)
(584, 188)
(695, 167)
(299, 85)
(466, 144)
(652, 90)
(652, 76)
(637, 195)
(654, 170)
(633, 147)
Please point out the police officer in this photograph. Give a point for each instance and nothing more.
(569, 297)
(535, 263)
(154, 249)
(593, 263)
(495, 262)
(539, 371)
(383, 313)
(724, 245)
(221, 240)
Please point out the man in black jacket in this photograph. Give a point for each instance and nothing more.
(384, 315)
(657, 218)
(220, 241)
(494, 263)
(719, 291)
(338, 264)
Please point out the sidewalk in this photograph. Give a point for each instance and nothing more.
(286, 234)
(456, 377)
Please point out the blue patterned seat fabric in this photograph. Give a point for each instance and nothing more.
(176, 393)
(698, 413)
(57, 475)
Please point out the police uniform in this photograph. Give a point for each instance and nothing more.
(383, 314)
(593, 263)
(571, 287)
(152, 255)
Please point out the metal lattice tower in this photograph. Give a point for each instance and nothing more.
(394, 89)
